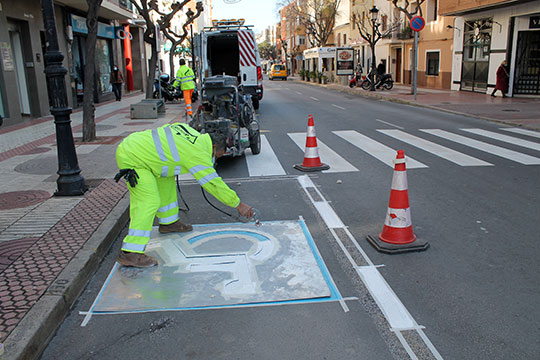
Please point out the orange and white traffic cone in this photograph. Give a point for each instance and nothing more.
(312, 162)
(397, 235)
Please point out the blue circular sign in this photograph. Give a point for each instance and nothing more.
(417, 23)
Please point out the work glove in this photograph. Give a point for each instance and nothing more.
(130, 175)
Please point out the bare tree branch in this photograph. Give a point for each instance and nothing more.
(317, 16)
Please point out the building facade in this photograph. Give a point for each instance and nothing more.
(486, 32)
(23, 89)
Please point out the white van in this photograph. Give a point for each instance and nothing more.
(229, 48)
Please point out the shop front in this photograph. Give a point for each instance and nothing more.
(103, 60)
(525, 79)
(321, 59)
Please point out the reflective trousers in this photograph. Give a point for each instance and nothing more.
(187, 99)
(152, 196)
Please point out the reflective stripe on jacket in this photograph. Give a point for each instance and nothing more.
(185, 77)
(177, 149)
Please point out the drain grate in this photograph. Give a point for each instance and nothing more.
(511, 110)
(21, 199)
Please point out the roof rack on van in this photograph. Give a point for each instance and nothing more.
(228, 24)
(221, 27)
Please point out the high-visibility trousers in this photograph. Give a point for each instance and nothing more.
(152, 196)
(187, 99)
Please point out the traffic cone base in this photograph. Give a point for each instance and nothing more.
(302, 167)
(389, 248)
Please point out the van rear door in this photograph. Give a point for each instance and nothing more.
(249, 57)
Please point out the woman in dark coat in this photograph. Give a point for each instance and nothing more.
(502, 80)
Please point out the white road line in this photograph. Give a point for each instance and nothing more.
(298, 92)
(327, 155)
(523, 132)
(396, 313)
(387, 123)
(376, 149)
(436, 149)
(493, 149)
(264, 164)
(339, 107)
(314, 98)
(505, 138)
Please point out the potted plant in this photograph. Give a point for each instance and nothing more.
(319, 77)
(302, 73)
(325, 79)
(314, 76)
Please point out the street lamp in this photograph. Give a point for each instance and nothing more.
(375, 30)
(70, 181)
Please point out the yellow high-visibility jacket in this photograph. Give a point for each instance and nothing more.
(177, 149)
(185, 77)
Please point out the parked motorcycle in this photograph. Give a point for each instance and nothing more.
(168, 91)
(385, 81)
(356, 79)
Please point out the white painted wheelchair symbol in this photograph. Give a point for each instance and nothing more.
(240, 265)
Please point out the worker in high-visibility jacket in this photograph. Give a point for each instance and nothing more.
(149, 161)
(185, 78)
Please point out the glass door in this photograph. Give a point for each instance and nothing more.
(527, 76)
(476, 47)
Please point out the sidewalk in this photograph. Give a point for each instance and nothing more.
(51, 246)
(523, 112)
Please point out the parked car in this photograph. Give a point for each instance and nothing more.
(278, 71)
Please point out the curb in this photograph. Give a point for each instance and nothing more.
(406, 102)
(36, 329)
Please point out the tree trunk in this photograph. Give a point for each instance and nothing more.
(151, 72)
(89, 125)
(171, 60)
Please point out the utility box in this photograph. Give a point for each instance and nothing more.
(147, 109)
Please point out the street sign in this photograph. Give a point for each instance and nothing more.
(417, 23)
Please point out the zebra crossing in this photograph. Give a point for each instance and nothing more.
(267, 163)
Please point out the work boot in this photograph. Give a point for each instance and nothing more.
(176, 226)
(136, 260)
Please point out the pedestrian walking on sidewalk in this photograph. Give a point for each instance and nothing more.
(149, 160)
(502, 80)
(116, 81)
(185, 78)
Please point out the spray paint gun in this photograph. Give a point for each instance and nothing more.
(256, 218)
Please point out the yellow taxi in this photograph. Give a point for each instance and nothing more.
(278, 71)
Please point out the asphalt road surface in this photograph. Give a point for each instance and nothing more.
(474, 192)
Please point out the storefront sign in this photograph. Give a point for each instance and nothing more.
(7, 58)
(345, 61)
(534, 22)
(79, 25)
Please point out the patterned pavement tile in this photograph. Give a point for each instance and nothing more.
(25, 274)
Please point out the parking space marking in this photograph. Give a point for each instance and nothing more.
(339, 107)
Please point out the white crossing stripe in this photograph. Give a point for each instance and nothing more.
(493, 149)
(523, 132)
(436, 149)
(264, 164)
(376, 149)
(327, 155)
(505, 138)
